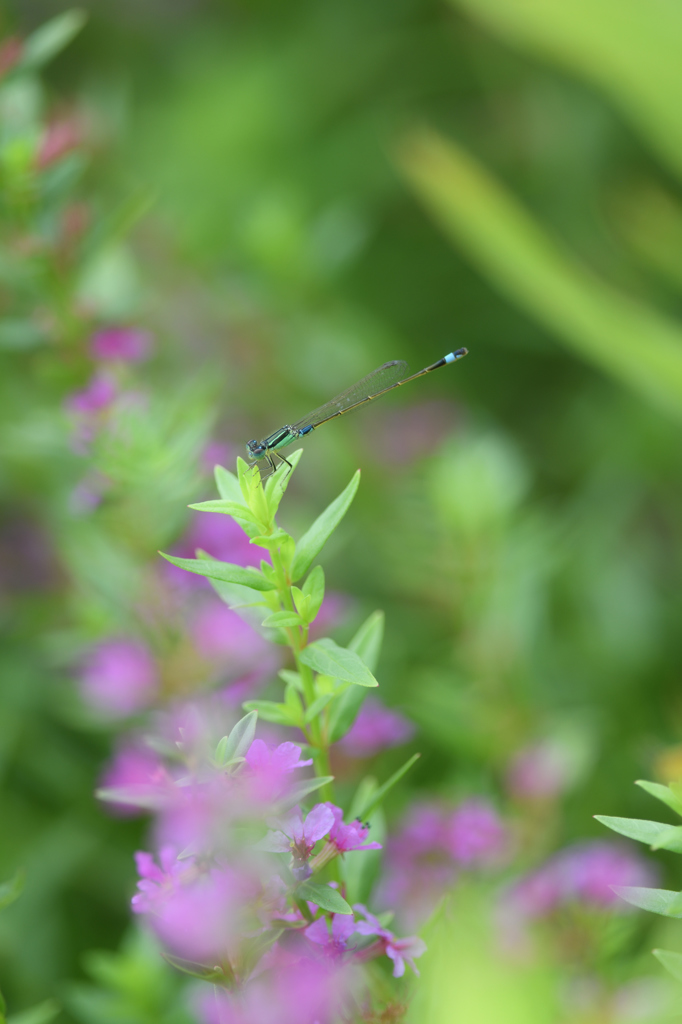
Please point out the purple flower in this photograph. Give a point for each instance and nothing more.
(119, 677)
(539, 772)
(121, 344)
(474, 834)
(134, 769)
(400, 951)
(219, 635)
(305, 992)
(196, 914)
(159, 882)
(375, 729)
(349, 837)
(95, 397)
(216, 453)
(334, 941)
(584, 873)
(270, 768)
(298, 835)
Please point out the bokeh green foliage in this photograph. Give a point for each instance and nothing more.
(526, 550)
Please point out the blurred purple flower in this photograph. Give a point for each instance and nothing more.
(270, 768)
(304, 992)
(334, 940)
(538, 772)
(400, 951)
(196, 914)
(98, 395)
(376, 728)
(220, 635)
(121, 344)
(349, 837)
(159, 881)
(583, 873)
(475, 835)
(119, 677)
(134, 767)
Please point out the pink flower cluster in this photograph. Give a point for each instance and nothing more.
(584, 873)
(433, 846)
(235, 844)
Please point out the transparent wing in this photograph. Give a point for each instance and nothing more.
(378, 380)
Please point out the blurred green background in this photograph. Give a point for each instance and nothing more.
(286, 197)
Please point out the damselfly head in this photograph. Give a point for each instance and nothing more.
(256, 449)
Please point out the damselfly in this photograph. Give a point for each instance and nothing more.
(385, 378)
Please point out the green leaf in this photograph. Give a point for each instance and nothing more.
(282, 619)
(378, 795)
(312, 542)
(329, 659)
(40, 1014)
(324, 896)
(649, 832)
(278, 481)
(368, 639)
(226, 508)
(363, 795)
(302, 789)
(12, 889)
(658, 901)
(228, 485)
(293, 678)
(275, 540)
(271, 711)
(318, 705)
(225, 572)
(196, 970)
(631, 340)
(663, 793)
(47, 41)
(239, 740)
(671, 961)
(345, 711)
(313, 589)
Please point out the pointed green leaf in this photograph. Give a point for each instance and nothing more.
(228, 485)
(671, 961)
(313, 588)
(223, 571)
(378, 795)
(278, 481)
(324, 896)
(345, 711)
(367, 641)
(363, 795)
(272, 540)
(47, 41)
(12, 889)
(658, 901)
(282, 619)
(329, 659)
(312, 542)
(226, 508)
(634, 828)
(271, 711)
(662, 793)
(240, 739)
(669, 839)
